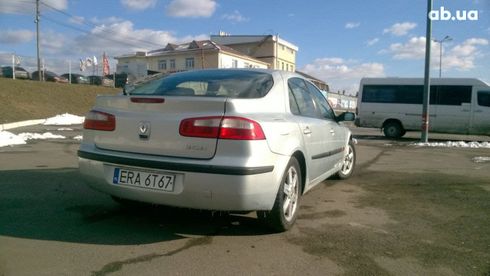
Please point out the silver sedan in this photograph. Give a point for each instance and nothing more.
(220, 139)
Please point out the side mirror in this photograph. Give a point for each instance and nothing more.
(346, 116)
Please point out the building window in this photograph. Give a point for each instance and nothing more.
(162, 65)
(189, 63)
(172, 64)
(287, 67)
(234, 63)
(282, 65)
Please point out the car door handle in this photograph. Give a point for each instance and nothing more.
(307, 130)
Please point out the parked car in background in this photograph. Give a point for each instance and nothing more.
(95, 80)
(49, 76)
(121, 79)
(220, 139)
(100, 80)
(20, 73)
(76, 78)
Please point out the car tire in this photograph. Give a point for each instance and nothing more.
(393, 130)
(286, 206)
(348, 163)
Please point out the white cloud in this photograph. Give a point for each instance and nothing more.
(343, 74)
(121, 37)
(236, 16)
(373, 41)
(52, 42)
(461, 56)
(191, 8)
(400, 29)
(78, 20)
(28, 7)
(16, 36)
(138, 4)
(413, 49)
(352, 25)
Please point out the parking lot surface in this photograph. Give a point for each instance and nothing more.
(408, 210)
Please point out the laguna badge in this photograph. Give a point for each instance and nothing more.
(144, 129)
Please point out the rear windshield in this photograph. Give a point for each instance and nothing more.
(207, 83)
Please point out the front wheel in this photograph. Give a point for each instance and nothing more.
(285, 210)
(348, 163)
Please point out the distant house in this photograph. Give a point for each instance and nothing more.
(277, 52)
(187, 56)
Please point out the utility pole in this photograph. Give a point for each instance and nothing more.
(426, 100)
(41, 76)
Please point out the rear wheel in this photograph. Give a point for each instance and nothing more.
(393, 130)
(285, 210)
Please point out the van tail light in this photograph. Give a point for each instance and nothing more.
(98, 120)
(232, 128)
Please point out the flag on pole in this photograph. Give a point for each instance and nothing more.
(88, 62)
(106, 70)
(82, 65)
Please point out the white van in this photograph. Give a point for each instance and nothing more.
(457, 105)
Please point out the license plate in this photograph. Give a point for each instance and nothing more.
(142, 179)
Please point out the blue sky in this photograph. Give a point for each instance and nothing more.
(339, 41)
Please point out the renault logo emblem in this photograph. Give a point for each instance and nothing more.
(144, 130)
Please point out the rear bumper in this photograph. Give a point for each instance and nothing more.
(201, 186)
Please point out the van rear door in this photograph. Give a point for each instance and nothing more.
(480, 123)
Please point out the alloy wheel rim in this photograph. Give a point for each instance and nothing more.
(348, 161)
(291, 194)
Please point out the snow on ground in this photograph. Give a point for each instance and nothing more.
(455, 144)
(78, 137)
(65, 129)
(10, 139)
(481, 159)
(64, 120)
(38, 136)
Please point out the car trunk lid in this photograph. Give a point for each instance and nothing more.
(150, 125)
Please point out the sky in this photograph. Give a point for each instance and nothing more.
(339, 41)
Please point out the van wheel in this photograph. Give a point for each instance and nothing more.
(286, 206)
(393, 130)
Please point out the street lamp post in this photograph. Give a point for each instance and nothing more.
(445, 39)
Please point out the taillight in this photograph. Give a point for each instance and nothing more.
(233, 128)
(205, 127)
(98, 120)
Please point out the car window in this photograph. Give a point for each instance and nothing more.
(304, 101)
(208, 83)
(293, 104)
(484, 98)
(321, 103)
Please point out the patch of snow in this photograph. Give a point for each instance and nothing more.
(454, 144)
(78, 137)
(65, 129)
(64, 120)
(481, 159)
(38, 136)
(10, 139)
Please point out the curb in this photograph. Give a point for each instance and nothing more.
(21, 124)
